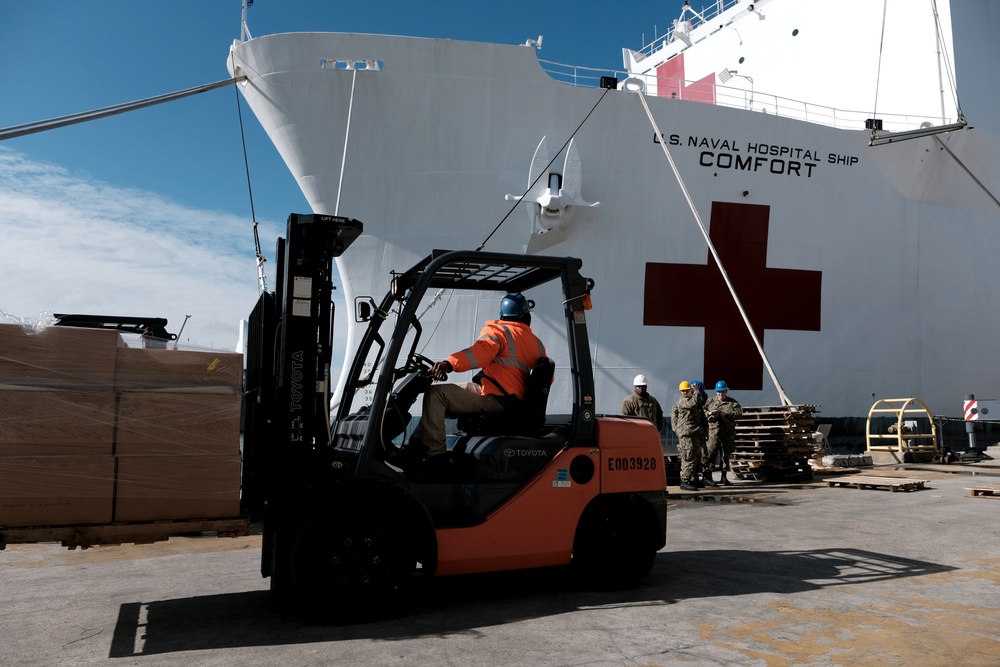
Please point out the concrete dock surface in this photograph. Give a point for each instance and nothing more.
(752, 574)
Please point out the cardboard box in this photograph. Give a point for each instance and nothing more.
(185, 371)
(56, 490)
(168, 424)
(58, 357)
(56, 423)
(156, 488)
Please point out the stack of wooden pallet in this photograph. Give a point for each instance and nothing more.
(774, 443)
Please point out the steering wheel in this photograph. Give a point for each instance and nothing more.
(419, 362)
(417, 380)
(416, 364)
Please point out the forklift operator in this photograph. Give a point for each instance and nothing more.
(506, 352)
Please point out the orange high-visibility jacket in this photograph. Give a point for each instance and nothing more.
(506, 351)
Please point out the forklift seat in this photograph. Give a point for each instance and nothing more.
(511, 458)
(522, 416)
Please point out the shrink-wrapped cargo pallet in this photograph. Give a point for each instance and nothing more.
(93, 431)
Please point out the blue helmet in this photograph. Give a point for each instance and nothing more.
(697, 384)
(721, 386)
(515, 305)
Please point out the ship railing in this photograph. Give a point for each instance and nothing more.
(842, 119)
(688, 21)
(584, 77)
(749, 99)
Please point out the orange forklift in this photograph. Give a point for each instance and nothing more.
(346, 525)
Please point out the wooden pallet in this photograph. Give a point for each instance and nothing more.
(867, 482)
(774, 443)
(984, 491)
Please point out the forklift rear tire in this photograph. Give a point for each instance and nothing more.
(612, 549)
(350, 569)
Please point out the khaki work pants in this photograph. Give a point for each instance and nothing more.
(443, 400)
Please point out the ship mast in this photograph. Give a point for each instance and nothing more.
(245, 35)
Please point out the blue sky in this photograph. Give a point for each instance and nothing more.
(147, 213)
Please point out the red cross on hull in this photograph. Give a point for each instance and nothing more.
(695, 295)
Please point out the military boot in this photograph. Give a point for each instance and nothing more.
(707, 479)
(725, 480)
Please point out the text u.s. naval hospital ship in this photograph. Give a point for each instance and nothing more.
(838, 160)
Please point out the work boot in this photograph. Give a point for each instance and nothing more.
(725, 480)
(687, 486)
(707, 479)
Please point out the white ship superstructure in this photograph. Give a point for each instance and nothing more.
(865, 271)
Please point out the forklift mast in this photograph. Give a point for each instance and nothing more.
(289, 347)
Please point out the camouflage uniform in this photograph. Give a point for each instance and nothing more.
(722, 415)
(687, 419)
(699, 393)
(643, 406)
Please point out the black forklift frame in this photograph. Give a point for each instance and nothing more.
(473, 271)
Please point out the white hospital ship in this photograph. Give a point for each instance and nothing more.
(842, 159)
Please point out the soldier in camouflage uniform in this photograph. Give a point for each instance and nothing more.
(698, 388)
(640, 404)
(687, 419)
(723, 411)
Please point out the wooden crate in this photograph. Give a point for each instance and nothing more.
(169, 424)
(157, 488)
(56, 490)
(67, 358)
(183, 371)
(56, 423)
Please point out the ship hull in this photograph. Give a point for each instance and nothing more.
(865, 272)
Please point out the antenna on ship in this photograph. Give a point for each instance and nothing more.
(244, 30)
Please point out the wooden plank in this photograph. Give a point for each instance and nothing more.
(887, 483)
(823, 470)
(121, 533)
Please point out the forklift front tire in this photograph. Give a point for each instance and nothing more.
(613, 549)
(350, 569)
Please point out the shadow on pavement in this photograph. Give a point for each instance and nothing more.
(454, 605)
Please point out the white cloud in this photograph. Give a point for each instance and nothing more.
(74, 245)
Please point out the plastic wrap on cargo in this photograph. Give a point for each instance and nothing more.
(66, 358)
(179, 371)
(93, 431)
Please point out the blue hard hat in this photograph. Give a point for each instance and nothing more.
(697, 383)
(721, 386)
(515, 305)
